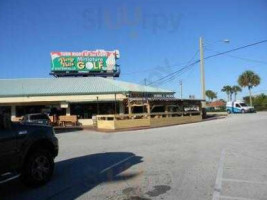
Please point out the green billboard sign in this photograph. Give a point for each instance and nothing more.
(86, 61)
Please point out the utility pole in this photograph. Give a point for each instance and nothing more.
(145, 81)
(202, 72)
(181, 88)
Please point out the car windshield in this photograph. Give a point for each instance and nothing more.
(243, 104)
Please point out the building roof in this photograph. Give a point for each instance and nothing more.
(216, 103)
(71, 86)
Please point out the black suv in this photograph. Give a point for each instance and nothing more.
(26, 151)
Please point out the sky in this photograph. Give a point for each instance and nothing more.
(154, 37)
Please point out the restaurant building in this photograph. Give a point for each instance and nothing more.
(83, 89)
(81, 96)
(85, 97)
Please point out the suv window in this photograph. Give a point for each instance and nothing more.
(2, 127)
(237, 105)
(243, 104)
(5, 123)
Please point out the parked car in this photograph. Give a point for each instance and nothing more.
(37, 118)
(26, 151)
(238, 107)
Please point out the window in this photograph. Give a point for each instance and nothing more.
(139, 109)
(237, 105)
(158, 109)
(5, 110)
(87, 110)
(243, 104)
(23, 110)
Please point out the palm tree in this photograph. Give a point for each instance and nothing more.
(249, 79)
(236, 89)
(228, 90)
(211, 95)
(214, 96)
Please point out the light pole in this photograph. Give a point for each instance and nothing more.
(181, 88)
(202, 69)
(202, 72)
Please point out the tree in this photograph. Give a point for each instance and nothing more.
(259, 101)
(236, 89)
(249, 79)
(211, 95)
(228, 90)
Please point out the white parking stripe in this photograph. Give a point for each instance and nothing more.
(235, 198)
(114, 165)
(242, 181)
(218, 182)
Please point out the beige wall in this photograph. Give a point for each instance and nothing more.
(131, 123)
(147, 122)
(85, 122)
(155, 122)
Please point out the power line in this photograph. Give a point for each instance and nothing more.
(158, 67)
(238, 48)
(175, 74)
(208, 57)
(239, 57)
(151, 69)
(173, 77)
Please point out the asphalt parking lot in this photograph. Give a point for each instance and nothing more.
(216, 159)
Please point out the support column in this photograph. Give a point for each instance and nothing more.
(148, 107)
(122, 108)
(13, 112)
(129, 107)
(68, 110)
(166, 110)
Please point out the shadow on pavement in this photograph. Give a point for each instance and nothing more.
(76, 176)
(60, 130)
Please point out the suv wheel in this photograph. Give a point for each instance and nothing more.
(38, 168)
(228, 111)
(242, 111)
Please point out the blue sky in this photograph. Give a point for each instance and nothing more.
(154, 38)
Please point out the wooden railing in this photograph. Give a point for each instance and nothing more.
(146, 115)
(71, 119)
(152, 120)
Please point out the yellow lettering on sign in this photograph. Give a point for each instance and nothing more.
(66, 62)
(80, 65)
(100, 64)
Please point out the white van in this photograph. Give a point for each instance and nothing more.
(238, 107)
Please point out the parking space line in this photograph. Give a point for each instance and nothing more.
(114, 165)
(218, 182)
(245, 168)
(235, 198)
(242, 181)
